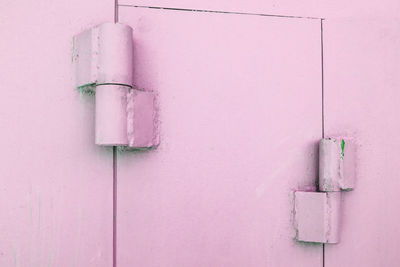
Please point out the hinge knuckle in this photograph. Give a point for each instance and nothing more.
(110, 115)
(103, 62)
(104, 54)
(336, 164)
(317, 214)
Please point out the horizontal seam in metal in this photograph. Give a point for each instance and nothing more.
(221, 12)
(120, 84)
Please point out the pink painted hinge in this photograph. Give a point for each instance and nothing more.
(317, 214)
(103, 63)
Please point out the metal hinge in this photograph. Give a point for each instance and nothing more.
(317, 214)
(103, 63)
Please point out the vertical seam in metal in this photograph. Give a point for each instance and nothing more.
(322, 79)
(114, 206)
(322, 108)
(115, 11)
(115, 175)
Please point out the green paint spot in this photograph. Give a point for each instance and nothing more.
(342, 146)
(89, 89)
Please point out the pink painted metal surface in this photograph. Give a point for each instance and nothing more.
(235, 140)
(142, 119)
(362, 100)
(304, 8)
(55, 184)
(317, 216)
(103, 54)
(236, 137)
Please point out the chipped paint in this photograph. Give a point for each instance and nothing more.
(142, 120)
(342, 144)
(336, 171)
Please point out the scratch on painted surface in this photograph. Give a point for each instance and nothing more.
(272, 178)
(78, 246)
(30, 211)
(51, 259)
(39, 206)
(14, 255)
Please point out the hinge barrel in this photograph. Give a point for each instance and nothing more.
(317, 214)
(336, 164)
(104, 54)
(103, 60)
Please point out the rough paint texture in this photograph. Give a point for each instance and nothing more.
(126, 117)
(142, 119)
(337, 164)
(317, 216)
